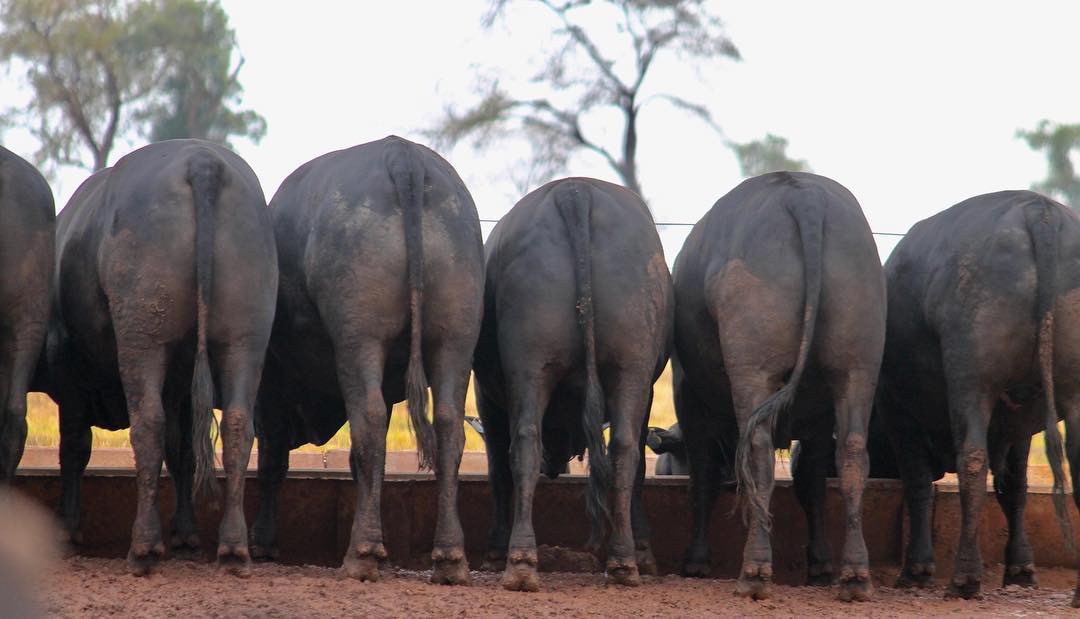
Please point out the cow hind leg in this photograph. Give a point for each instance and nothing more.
(450, 382)
(639, 522)
(1069, 408)
(16, 376)
(809, 475)
(240, 371)
(704, 476)
(142, 371)
(969, 412)
(855, 395)
(529, 396)
(179, 460)
(75, 444)
(913, 460)
(1010, 488)
(626, 406)
(755, 577)
(273, 435)
(497, 446)
(360, 375)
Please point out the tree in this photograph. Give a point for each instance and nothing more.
(592, 71)
(1059, 142)
(201, 83)
(766, 155)
(99, 68)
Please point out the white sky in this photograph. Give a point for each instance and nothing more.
(913, 105)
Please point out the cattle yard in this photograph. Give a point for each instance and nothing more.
(571, 579)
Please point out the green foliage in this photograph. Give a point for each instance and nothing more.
(1058, 142)
(99, 68)
(767, 155)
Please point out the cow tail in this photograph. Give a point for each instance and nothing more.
(809, 215)
(1043, 222)
(573, 200)
(205, 171)
(407, 175)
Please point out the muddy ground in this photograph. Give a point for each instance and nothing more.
(85, 587)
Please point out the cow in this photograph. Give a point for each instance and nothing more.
(577, 327)
(381, 261)
(164, 285)
(27, 221)
(982, 351)
(779, 328)
(670, 447)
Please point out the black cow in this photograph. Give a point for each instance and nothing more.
(164, 286)
(577, 327)
(381, 263)
(27, 217)
(780, 321)
(982, 351)
(670, 446)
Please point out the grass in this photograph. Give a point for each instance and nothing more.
(44, 424)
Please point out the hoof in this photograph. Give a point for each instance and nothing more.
(755, 582)
(623, 573)
(855, 585)
(261, 552)
(520, 574)
(819, 575)
(187, 547)
(915, 575)
(646, 562)
(143, 558)
(450, 567)
(696, 570)
(234, 559)
(1020, 575)
(493, 562)
(966, 587)
(362, 562)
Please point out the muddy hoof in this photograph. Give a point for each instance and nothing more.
(450, 567)
(143, 558)
(520, 574)
(696, 570)
(1020, 575)
(234, 559)
(264, 553)
(855, 585)
(186, 547)
(917, 575)
(819, 575)
(362, 562)
(623, 573)
(966, 587)
(755, 582)
(646, 562)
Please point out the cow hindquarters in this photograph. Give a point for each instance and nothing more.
(853, 397)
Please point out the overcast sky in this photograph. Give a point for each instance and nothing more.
(911, 105)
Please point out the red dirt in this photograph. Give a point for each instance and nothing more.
(82, 587)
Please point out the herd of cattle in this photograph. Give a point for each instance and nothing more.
(166, 288)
